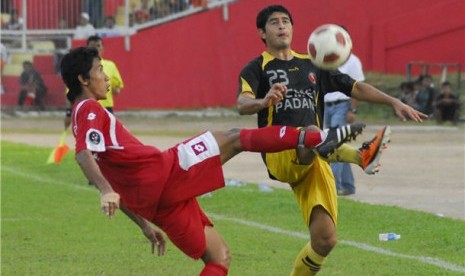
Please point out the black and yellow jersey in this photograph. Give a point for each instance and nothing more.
(306, 85)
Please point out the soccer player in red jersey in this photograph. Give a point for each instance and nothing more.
(160, 187)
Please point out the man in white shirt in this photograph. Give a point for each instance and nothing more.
(339, 110)
(84, 29)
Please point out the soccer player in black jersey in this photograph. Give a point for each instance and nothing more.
(285, 88)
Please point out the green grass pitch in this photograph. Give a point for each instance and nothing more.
(51, 225)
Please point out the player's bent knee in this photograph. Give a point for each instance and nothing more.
(324, 245)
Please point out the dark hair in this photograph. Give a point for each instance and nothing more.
(407, 85)
(427, 76)
(27, 62)
(446, 83)
(263, 15)
(77, 62)
(93, 38)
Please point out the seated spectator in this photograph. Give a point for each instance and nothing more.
(62, 23)
(110, 28)
(33, 89)
(84, 29)
(142, 14)
(447, 105)
(61, 43)
(161, 8)
(177, 6)
(426, 94)
(15, 22)
(4, 57)
(197, 3)
(408, 93)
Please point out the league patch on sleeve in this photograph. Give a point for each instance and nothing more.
(95, 140)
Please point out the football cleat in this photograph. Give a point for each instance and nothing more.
(370, 152)
(337, 136)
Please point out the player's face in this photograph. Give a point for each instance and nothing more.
(278, 31)
(98, 82)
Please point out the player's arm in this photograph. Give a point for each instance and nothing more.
(366, 92)
(153, 235)
(247, 104)
(109, 199)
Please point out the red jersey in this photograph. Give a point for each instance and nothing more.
(136, 171)
(146, 178)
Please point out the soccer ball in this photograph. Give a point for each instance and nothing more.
(329, 46)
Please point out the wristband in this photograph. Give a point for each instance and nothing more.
(68, 112)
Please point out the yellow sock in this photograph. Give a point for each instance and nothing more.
(346, 153)
(308, 262)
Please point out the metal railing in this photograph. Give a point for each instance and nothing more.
(34, 25)
(427, 67)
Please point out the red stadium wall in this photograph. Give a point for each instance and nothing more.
(195, 61)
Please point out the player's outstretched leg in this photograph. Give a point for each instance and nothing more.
(337, 136)
(370, 152)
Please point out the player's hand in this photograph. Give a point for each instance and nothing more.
(109, 202)
(156, 239)
(404, 111)
(275, 94)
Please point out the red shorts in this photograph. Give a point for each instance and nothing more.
(184, 225)
(198, 170)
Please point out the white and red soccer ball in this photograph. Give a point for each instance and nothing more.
(329, 46)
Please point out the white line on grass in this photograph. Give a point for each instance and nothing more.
(45, 180)
(362, 246)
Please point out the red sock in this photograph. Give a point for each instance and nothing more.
(276, 138)
(214, 269)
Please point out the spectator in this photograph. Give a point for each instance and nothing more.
(15, 22)
(61, 43)
(3, 60)
(95, 10)
(160, 9)
(177, 6)
(408, 93)
(340, 109)
(425, 95)
(197, 3)
(33, 89)
(110, 29)
(84, 29)
(142, 14)
(447, 105)
(63, 24)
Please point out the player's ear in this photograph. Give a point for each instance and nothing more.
(83, 81)
(261, 33)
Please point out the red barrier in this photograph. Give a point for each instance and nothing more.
(195, 61)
